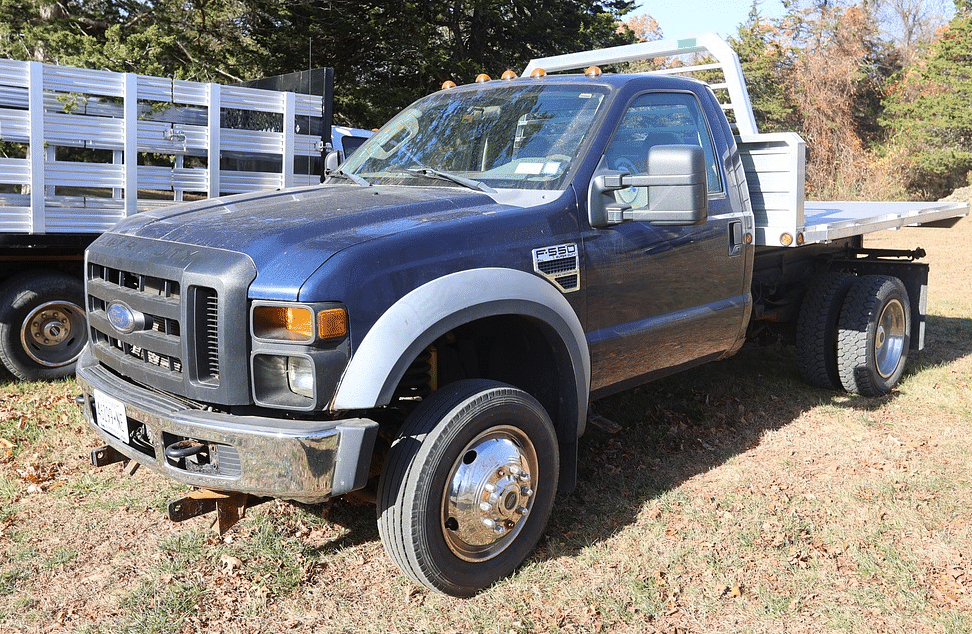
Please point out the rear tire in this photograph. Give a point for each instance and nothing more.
(42, 325)
(874, 335)
(468, 486)
(817, 329)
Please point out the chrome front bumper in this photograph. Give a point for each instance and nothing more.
(306, 461)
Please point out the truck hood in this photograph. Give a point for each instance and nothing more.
(290, 233)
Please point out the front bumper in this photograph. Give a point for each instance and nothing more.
(306, 461)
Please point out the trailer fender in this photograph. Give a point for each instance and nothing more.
(416, 320)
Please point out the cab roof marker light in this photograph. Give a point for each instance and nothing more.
(538, 73)
(482, 78)
(508, 74)
(688, 44)
(447, 84)
(592, 71)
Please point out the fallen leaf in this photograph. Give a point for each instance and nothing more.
(231, 563)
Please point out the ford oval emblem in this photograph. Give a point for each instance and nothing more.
(123, 319)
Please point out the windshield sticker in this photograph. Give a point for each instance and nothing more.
(529, 168)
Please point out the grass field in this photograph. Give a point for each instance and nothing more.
(732, 498)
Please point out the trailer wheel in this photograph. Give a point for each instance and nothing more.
(468, 486)
(873, 335)
(42, 325)
(817, 329)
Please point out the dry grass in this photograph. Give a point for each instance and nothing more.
(733, 499)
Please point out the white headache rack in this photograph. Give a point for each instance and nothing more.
(706, 57)
(82, 149)
(775, 163)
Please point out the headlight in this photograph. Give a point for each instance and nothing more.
(283, 323)
(298, 352)
(300, 376)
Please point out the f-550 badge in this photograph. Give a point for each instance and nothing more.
(560, 264)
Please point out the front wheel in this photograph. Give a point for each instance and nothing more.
(873, 335)
(468, 486)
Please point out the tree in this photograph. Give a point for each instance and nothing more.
(821, 71)
(386, 53)
(910, 24)
(929, 112)
(767, 62)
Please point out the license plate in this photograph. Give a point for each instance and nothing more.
(110, 415)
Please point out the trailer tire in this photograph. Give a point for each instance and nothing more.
(468, 486)
(817, 329)
(873, 336)
(42, 324)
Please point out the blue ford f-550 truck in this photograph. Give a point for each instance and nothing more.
(437, 316)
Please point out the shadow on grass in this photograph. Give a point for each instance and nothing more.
(668, 431)
(947, 339)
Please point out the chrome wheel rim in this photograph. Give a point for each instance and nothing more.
(889, 338)
(53, 334)
(489, 493)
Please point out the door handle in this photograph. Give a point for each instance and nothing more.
(735, 238)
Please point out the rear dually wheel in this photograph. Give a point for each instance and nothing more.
(42, 324)
(873, 335)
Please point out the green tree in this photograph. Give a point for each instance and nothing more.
(929, 110)
(767, 60)
(386, 53)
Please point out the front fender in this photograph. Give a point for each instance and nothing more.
(415, 321)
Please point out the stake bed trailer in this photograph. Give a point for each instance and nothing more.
(65, 134)
(433, 321)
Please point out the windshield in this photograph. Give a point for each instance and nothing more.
(519, 136)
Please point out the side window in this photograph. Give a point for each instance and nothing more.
(660, 119)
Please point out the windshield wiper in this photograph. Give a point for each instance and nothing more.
(354, 178)
(429, 172)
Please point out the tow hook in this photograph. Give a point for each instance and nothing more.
(229, 507)
(184, 449)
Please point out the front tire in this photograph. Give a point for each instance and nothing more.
(873, 335)
(468, 486)
(42, 325)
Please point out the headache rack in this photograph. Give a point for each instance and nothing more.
(775, 163)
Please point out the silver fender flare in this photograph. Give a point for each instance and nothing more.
(419, 318)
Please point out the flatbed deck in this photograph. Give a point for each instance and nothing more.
(825, 221)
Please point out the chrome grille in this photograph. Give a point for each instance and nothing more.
(160, 344)
(190, 312)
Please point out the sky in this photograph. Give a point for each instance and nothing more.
(685, 18)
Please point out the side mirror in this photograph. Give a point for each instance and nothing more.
(332, 160)
(676, 187)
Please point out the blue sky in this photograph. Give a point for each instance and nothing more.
(685, 18)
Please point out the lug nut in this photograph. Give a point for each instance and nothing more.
(522, 510)
(527, 491)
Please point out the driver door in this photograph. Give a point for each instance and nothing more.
(663, 297)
